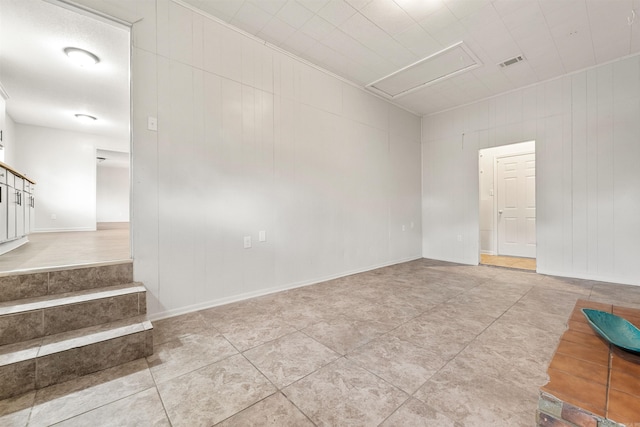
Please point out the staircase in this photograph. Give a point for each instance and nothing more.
(64, 323)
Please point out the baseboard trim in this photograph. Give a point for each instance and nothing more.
(262, 292)
(62, 230)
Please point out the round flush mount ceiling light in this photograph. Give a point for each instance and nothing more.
(81, 57)
(85, 118)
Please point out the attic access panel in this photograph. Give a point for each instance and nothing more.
(442, 65)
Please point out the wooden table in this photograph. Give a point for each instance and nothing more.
(591, 383)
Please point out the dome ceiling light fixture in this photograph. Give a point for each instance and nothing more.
(85, 118)
(82, 57)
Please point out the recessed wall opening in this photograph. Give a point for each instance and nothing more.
(508, 205)
(78, 208)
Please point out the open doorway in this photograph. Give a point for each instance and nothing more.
(58, 115)
(508, 206)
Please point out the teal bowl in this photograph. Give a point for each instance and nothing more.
(618, 331)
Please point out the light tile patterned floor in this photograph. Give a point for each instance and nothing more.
(420, 343)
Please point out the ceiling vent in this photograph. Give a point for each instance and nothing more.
(511, 61)
(435, 68)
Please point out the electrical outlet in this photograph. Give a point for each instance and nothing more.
(54, 217)
(404, 228)
(459, 237)
(247, 242)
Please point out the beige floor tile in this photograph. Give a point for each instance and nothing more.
(548, 302)
(248, 335)
(479, 400)
(274, 411)
(401, 363)
(416, 414)
(177, 327)
(443, 332)
(15, 411)
(214, 393)
(393, 314)
(188, 353)
(62, 401)
(343, 334)
(290, 358)
(141, 409)
(474, 340)
(342, 393)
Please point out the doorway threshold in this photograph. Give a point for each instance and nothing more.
(508, 262)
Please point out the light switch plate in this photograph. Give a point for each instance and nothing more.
(262, 236)
(152, 123)
(247, 242)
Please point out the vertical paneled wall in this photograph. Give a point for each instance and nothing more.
(587, 131)
(250, 139)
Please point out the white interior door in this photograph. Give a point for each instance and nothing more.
(516, 191)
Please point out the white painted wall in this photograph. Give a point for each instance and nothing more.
(8, 138)
(250, 139)
(112, 193)
(63, 164)
(488, 218)
(586, 128)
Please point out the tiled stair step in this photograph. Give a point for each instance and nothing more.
(51, 360)
(43, 282)
(30, 318)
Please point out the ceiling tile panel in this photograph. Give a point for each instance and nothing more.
(223, 9)
(528, 15)
(251, 18)
(317, 28)
(387, 15)
(547, 70)
(463, 8)
(520, 74)
(276, 31)
(298, 42)
(336, 12)
(451, 34)
(270, 6)
(361, 29)
(294, 14)
(313, 5)
(358, 4)
(418, 41)
(563, 12)
(485, 18)
(508, 7)
(419, 10)
(438, 21)
(392, 50)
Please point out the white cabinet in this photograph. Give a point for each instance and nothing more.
(4, 196)
(19, 190)
(12, 203)
(17, 208)
(29, 207)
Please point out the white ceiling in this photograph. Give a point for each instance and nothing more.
(45, 87)
(365, 40)
(360, 40)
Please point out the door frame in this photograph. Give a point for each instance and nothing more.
(495, 199)
(511, 149)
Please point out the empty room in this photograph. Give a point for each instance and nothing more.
(319, 213)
